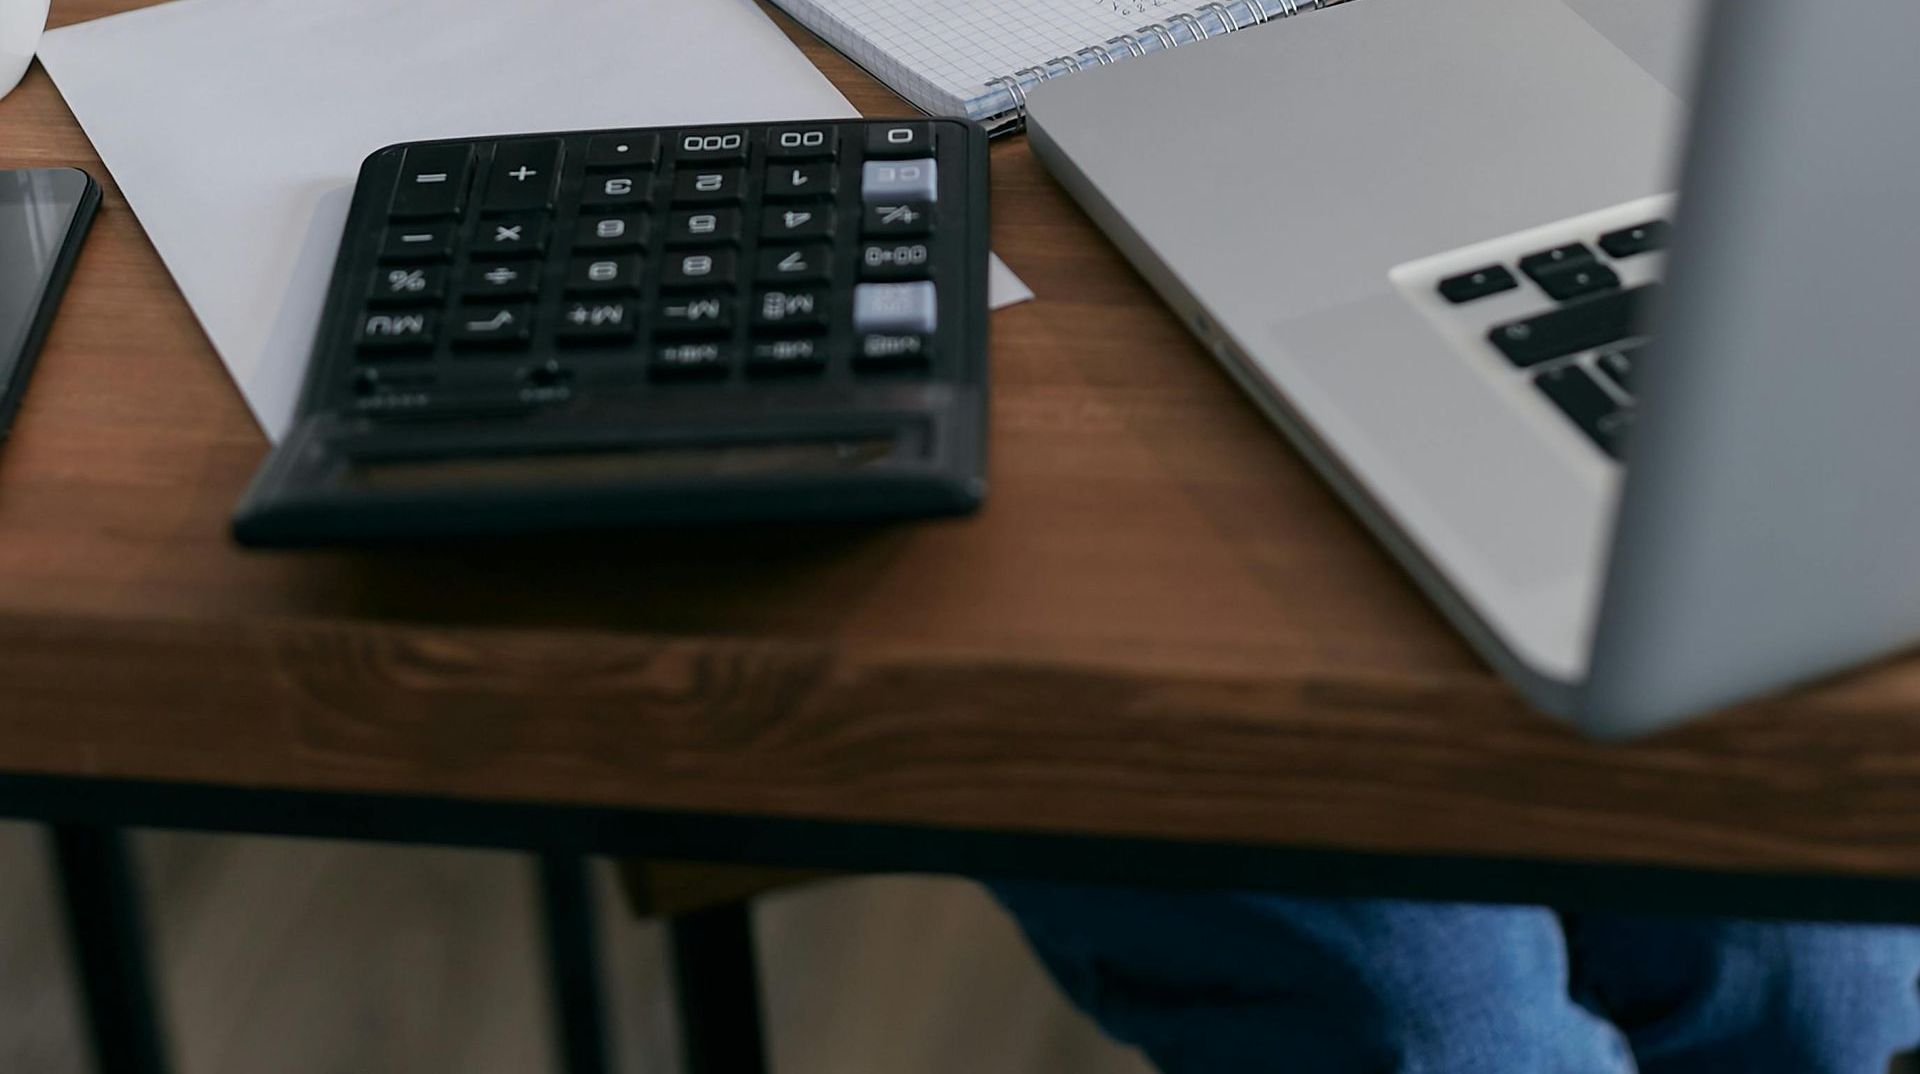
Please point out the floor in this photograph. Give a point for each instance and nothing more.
(308, 957)
(303, 957)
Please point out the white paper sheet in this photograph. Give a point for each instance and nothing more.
(235, 128)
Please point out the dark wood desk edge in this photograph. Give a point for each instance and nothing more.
(989, 855)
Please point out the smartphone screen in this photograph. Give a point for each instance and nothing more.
(42, 216)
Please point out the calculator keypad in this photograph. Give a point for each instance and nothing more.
(711, 254)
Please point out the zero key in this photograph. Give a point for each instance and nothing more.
(900, 140)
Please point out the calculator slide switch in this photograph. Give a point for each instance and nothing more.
(895, 307)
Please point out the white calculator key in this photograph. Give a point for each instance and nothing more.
(899, 180)
(895, 307)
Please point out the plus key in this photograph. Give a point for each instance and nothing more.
(522, 176)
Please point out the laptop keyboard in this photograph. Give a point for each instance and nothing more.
(1566, 315)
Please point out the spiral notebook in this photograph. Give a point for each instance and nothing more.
(978, 58)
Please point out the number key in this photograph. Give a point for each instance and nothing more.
(604, 275)
(699, 268)
(615, 191)
(787, 182)
(611, 232)
(899, 139)
(802, 143)
(705, 186)
(797, 223)
(792, 264)
(704, 228)
(710, 147)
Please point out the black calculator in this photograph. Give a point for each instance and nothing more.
(627, 328)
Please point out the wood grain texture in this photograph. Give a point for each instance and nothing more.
(1162, 624)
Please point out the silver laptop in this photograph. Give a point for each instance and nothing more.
(1649, 434)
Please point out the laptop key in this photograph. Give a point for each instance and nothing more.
(1636, 240)
(1617, 363)
(1581, 325)
(1582, 399)
(1548, 260)
(1569, 282)
(1479, 283)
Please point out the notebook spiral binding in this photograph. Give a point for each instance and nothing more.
(1206, 21)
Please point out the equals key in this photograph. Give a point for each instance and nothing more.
(433, 181)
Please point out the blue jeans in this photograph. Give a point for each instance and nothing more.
(1209, 984)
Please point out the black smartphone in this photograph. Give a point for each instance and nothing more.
(44, 215)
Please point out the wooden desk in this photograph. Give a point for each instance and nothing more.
(1162, 653)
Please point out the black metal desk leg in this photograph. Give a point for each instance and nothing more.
(101, 894)
(719, 988)
(579, 1013)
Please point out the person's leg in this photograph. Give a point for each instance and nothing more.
(1238, 984)
(1742, 997)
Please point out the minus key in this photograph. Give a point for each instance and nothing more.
(417, 242)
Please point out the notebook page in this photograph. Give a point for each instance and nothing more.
(953, 47)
